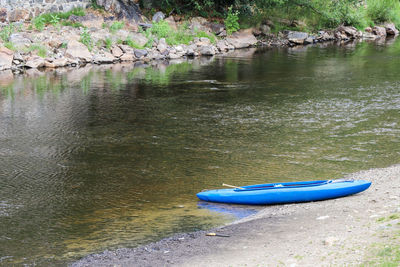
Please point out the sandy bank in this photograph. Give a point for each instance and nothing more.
(347, 231)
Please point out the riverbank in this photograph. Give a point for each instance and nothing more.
(80, 37)
(362, 229)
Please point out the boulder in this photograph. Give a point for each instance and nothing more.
(207, 50)
(242, 39)
(139, 53)
(6, 58)
(391, 29)
(369, 36)
(349, 31)
(127, 57)
(19, 40)
(171, 22)
(265, 29)
(309, 40)
(89, 20)
(158, 16)
(379, 31)
(35, 62)
(127, 9)
(216, 28)
(103, 58)
(222, 45)
(199, 24)
(116, 51)
(162, 45)
(297, 37)
(139, 38)
(77, 50)
(18, 15)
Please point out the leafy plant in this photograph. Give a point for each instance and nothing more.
(95, 6)
(108, 43)
(86, 39)
(211, 36)
(232, 21)
(39, 23)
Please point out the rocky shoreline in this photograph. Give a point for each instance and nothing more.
(63, 46)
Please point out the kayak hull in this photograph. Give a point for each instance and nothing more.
(278, 193)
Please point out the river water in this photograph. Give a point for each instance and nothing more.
(106, 157)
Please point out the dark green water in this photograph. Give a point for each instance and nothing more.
(101, 158)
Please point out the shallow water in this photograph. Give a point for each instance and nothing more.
(106, 157)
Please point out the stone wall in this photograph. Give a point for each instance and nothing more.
(19, 10)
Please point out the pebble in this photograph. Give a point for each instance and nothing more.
(323, 217)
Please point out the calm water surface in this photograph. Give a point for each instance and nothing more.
(101, 158)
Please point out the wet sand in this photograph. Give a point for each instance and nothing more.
(343, 231)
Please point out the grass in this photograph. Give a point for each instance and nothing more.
(54, 18)
(41, 50)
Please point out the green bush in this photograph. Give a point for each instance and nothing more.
(6, 31)
(55, 17)
(383, 10)
(232, 21)
(116, 26)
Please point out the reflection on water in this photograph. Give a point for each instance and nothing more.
(112, 156)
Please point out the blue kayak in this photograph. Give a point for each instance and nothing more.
(285, 192)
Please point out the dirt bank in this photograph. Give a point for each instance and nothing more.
(359, 229)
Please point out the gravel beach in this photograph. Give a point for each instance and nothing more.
(348, 231)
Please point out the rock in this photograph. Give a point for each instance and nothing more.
(379, 31)
(242, 39)
(171, 22)
(6, 58)
(61, 62)
(323, 217)
(368, 29)
(265, 29)
(349, 31)
(325, 36)
(18, 56)
(139, 38)
(179, 49)
(55, 43)
(190, 52)
(89, 20)
(3, 15)
(369, 35)
(207, 50)
(174, 56)
(139, 53)
(222, 34)
(122, 9)
(104, 58)
(158, 16)
(222, 45)
(77, 50)
(216, 28)
(199, 24)
(391, 29)
(116, 51)
(18, 15)
(162, 45)
(35, 62)
(127, 57)
(309, 40)
(19, 40)
(297, 37)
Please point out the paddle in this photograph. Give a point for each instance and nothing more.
(228, 185)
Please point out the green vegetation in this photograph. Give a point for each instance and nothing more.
(41, 50)
(116, 26)
(6, 31)
(132, 43)
(232, 21)
(86, 39)
(55, 18)
(305, 15)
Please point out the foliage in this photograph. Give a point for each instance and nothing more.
(383, 10)
(132, 43)
(211, 37)
(95, 6)
(116, 26)
(41, 50)
(108, 43)
(6, 31)
(55, 17)
(86, 39)
(232, 21)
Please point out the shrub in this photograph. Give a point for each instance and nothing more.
(41, 50)
(232, 21)
(132, 43)
(6, 31)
